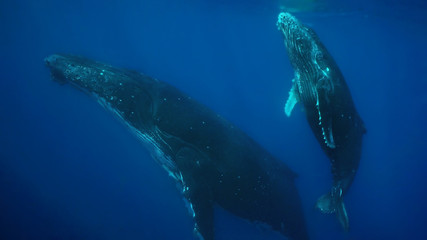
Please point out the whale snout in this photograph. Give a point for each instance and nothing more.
(286, 20)
(52, 60)
(48, 61)
(56, 69)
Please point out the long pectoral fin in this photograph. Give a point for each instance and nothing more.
(324, 109)
(203, 214)
(292, 100)
(197, 191)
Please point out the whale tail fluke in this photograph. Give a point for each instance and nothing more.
(332, 202)
(342, 216)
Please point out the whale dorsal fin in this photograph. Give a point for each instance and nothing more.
(293, 99)
(324, 91)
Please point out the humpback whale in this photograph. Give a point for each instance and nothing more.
(213, 162)
(320, 86)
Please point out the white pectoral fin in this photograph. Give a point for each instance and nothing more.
(325, 118)
(292, 100)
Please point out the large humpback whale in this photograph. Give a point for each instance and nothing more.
(212, 160)
(319, 85)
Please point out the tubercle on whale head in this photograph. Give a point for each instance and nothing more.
(116, 89)
(64, 68)
(300, 42)
(293, 30)
(86, 75)
(287, 23)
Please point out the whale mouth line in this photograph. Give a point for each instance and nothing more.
(58, 76)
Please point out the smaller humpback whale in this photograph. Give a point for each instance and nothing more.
(319, 85)
(213, 161)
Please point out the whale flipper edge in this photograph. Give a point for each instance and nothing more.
(293, 99)
(325, 117)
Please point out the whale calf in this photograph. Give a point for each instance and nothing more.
(320, 86)
(213, 161)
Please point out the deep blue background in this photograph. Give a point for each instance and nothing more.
(69, 170)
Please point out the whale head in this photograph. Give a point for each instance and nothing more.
(300, 41)
(87, 75)
(295, 33)
(126, 93)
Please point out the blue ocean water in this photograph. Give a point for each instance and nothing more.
(69, 170)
